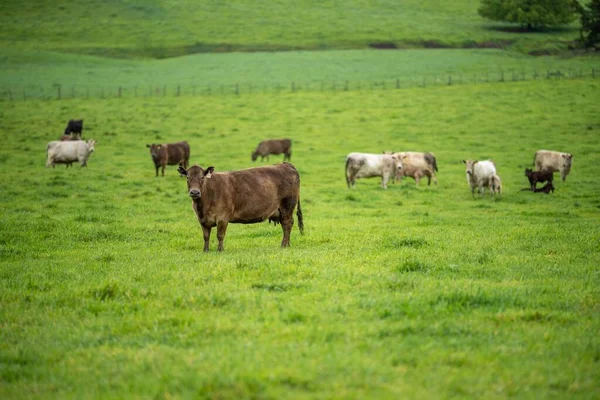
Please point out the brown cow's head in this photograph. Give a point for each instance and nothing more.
(470, 164)
(155, 150)
(254, 155)
(196, 178)
(528, 172)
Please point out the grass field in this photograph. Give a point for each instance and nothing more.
(159, 29)
(411, 292)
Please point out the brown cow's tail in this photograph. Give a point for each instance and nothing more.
(431, 160)
(300, 220)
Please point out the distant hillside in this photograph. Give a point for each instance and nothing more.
(163, 28)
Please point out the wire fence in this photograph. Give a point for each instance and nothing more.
(66, 91)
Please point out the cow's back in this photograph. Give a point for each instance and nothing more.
(178, 153)
(252, 194)
(484, 170)
(547, 160)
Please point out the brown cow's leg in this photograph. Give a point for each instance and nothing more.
(157, 171)
(206, 235)
(163, 170)
(221, 230)
(286, 219)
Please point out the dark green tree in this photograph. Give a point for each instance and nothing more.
(532, 14)
(590, 24)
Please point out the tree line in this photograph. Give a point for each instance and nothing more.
(536, 14)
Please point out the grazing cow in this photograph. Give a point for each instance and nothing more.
(538, 176)
(417, 165)
(68, 152)
(169, 154)
(553, 161)
(480, 175)
(364, 165)
(246, 196)
(496, 184)
(74, 126)
(275, 146)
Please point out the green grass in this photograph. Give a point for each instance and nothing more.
(410, 292)
(158, 29)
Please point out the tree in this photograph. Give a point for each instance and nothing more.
(590, 24)
(532, 14)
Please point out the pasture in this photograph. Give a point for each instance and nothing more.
(162, 29)
(414, 292)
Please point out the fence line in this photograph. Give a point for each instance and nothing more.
(59, 91)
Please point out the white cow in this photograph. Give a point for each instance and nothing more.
(364, 165)
(69, 152)
(480, 174)
(417, 165)
(553, 161)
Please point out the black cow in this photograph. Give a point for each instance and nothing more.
(74, 126)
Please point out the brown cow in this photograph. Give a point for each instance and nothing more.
(169, 154)
(246, 196)
(275, 146)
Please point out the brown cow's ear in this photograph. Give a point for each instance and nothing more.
(182, 171)
(209, 172)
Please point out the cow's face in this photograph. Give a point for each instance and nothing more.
(528, 171)
(254, 156)
(566, 160)
(155, 150)
(470, 165)
(397, 163)
(91, 143)
(196, 178)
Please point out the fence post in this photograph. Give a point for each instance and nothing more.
(293, 87)
(58, 94)
(237, 89)
(593, 72)
(24, 94)
(178, 90)
(346, 84)
(10, 95)
(397, 83)
(119, 91)
(449, 80)
(87, 92)
(135, 91)
(164, 90)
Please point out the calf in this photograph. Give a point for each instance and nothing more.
(74, 126)
(365, 165)
(169, 154)
(549, 187)
(480, 174)
(553, 161)
(538, 176)
(68, 152)
(274, 146)
(417, 165)
(495, 185)
(246, 196)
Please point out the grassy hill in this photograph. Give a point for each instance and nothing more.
(412, 292)
(161, 28)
